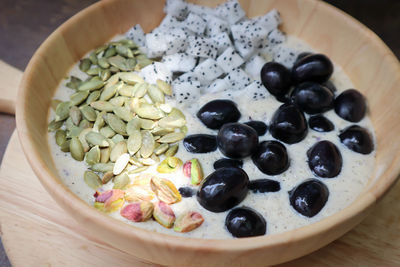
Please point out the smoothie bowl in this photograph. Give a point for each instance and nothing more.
(168, 133)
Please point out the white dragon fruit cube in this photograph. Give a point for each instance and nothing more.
(269, 21)
(189, 76)
(229, 60)
(276, 37)
(156, 70)
(249, 33)
(216, 25)
(222, 41)
(195, 23)
(169, 22)
(186, 93)
(200, 10)
(284, 55)
(253, 92)
(254, 65)
(208, 71)
(156, 44)
(245, 49)
(179, 62)
(176, 41)
(218, 85)
(238, 79)
(176, 8)
(136, 34)
(230, 11)
(202, 47)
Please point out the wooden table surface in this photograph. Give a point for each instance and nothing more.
(24, 24)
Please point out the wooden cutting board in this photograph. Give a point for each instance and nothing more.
(37, 232)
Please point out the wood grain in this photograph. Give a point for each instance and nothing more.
(369, 63)
(38, 232)
(10, 78)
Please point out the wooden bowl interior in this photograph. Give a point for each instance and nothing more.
(372, 67)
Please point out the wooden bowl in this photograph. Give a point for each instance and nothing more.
(370, 64)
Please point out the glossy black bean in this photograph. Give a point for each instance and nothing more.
(223, 189)
(357, 139)
(224, 163)
(271, 157)
(245, 222)
(200, 143)
(264, 186)
(276, 78)
(312, 97)
(320, 124)
(216, 113)
(350, 105)
(309, 197)
(325, 159)
(259, 126)
(312, 68)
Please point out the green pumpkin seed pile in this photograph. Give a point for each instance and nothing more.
(114, 112)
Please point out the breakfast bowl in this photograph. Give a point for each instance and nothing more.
(372, 67)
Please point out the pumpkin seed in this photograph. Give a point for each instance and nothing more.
(103, 62)
(143, 62)
(65, 146)
(69, 124)
(148, 111)
(93, 156)
(89, 113)
(134, 142)
(118, 150)
(172, 137)
(127, 90)
(93, 57)
(120, 181)
(123, 51)
(54, 104)
(117, 138)
(92, 180)
(61, 137)
(101, 49)
(114, 69)
(75, 115)
(99, 122)
(164, 87)
(113, 80)
(110, 52)
(172, 150)
(91, 85)
(110, 91)
(118, 62)
(147, 147)
(85, 124)
(138, 169)
(147, 124)
(85, 64)
(131, 78)
(147, 161)
(102, 106)
(107, 132)
(93, 96)
(118, 101)
(175, 119)
(123, 113)
(121, 163)
(96, 139)
(184, 129)
(54, 125)
(78, 97)
(166, 108)
(141, 90)
(62, 111)
(156, 94)
(73, 83)
(74, 131)
(76, 149)
(130, 64)
(116, 123)
(132, 126)
(103, 167)
(162, 131)
(94, 71)
(82, 138)
(161, 149)
(104, 75)
(135, 161)
(105, 154)
(107, 177)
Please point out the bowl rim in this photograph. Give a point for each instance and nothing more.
(63, 195)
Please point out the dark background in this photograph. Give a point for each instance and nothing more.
(25, 24)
